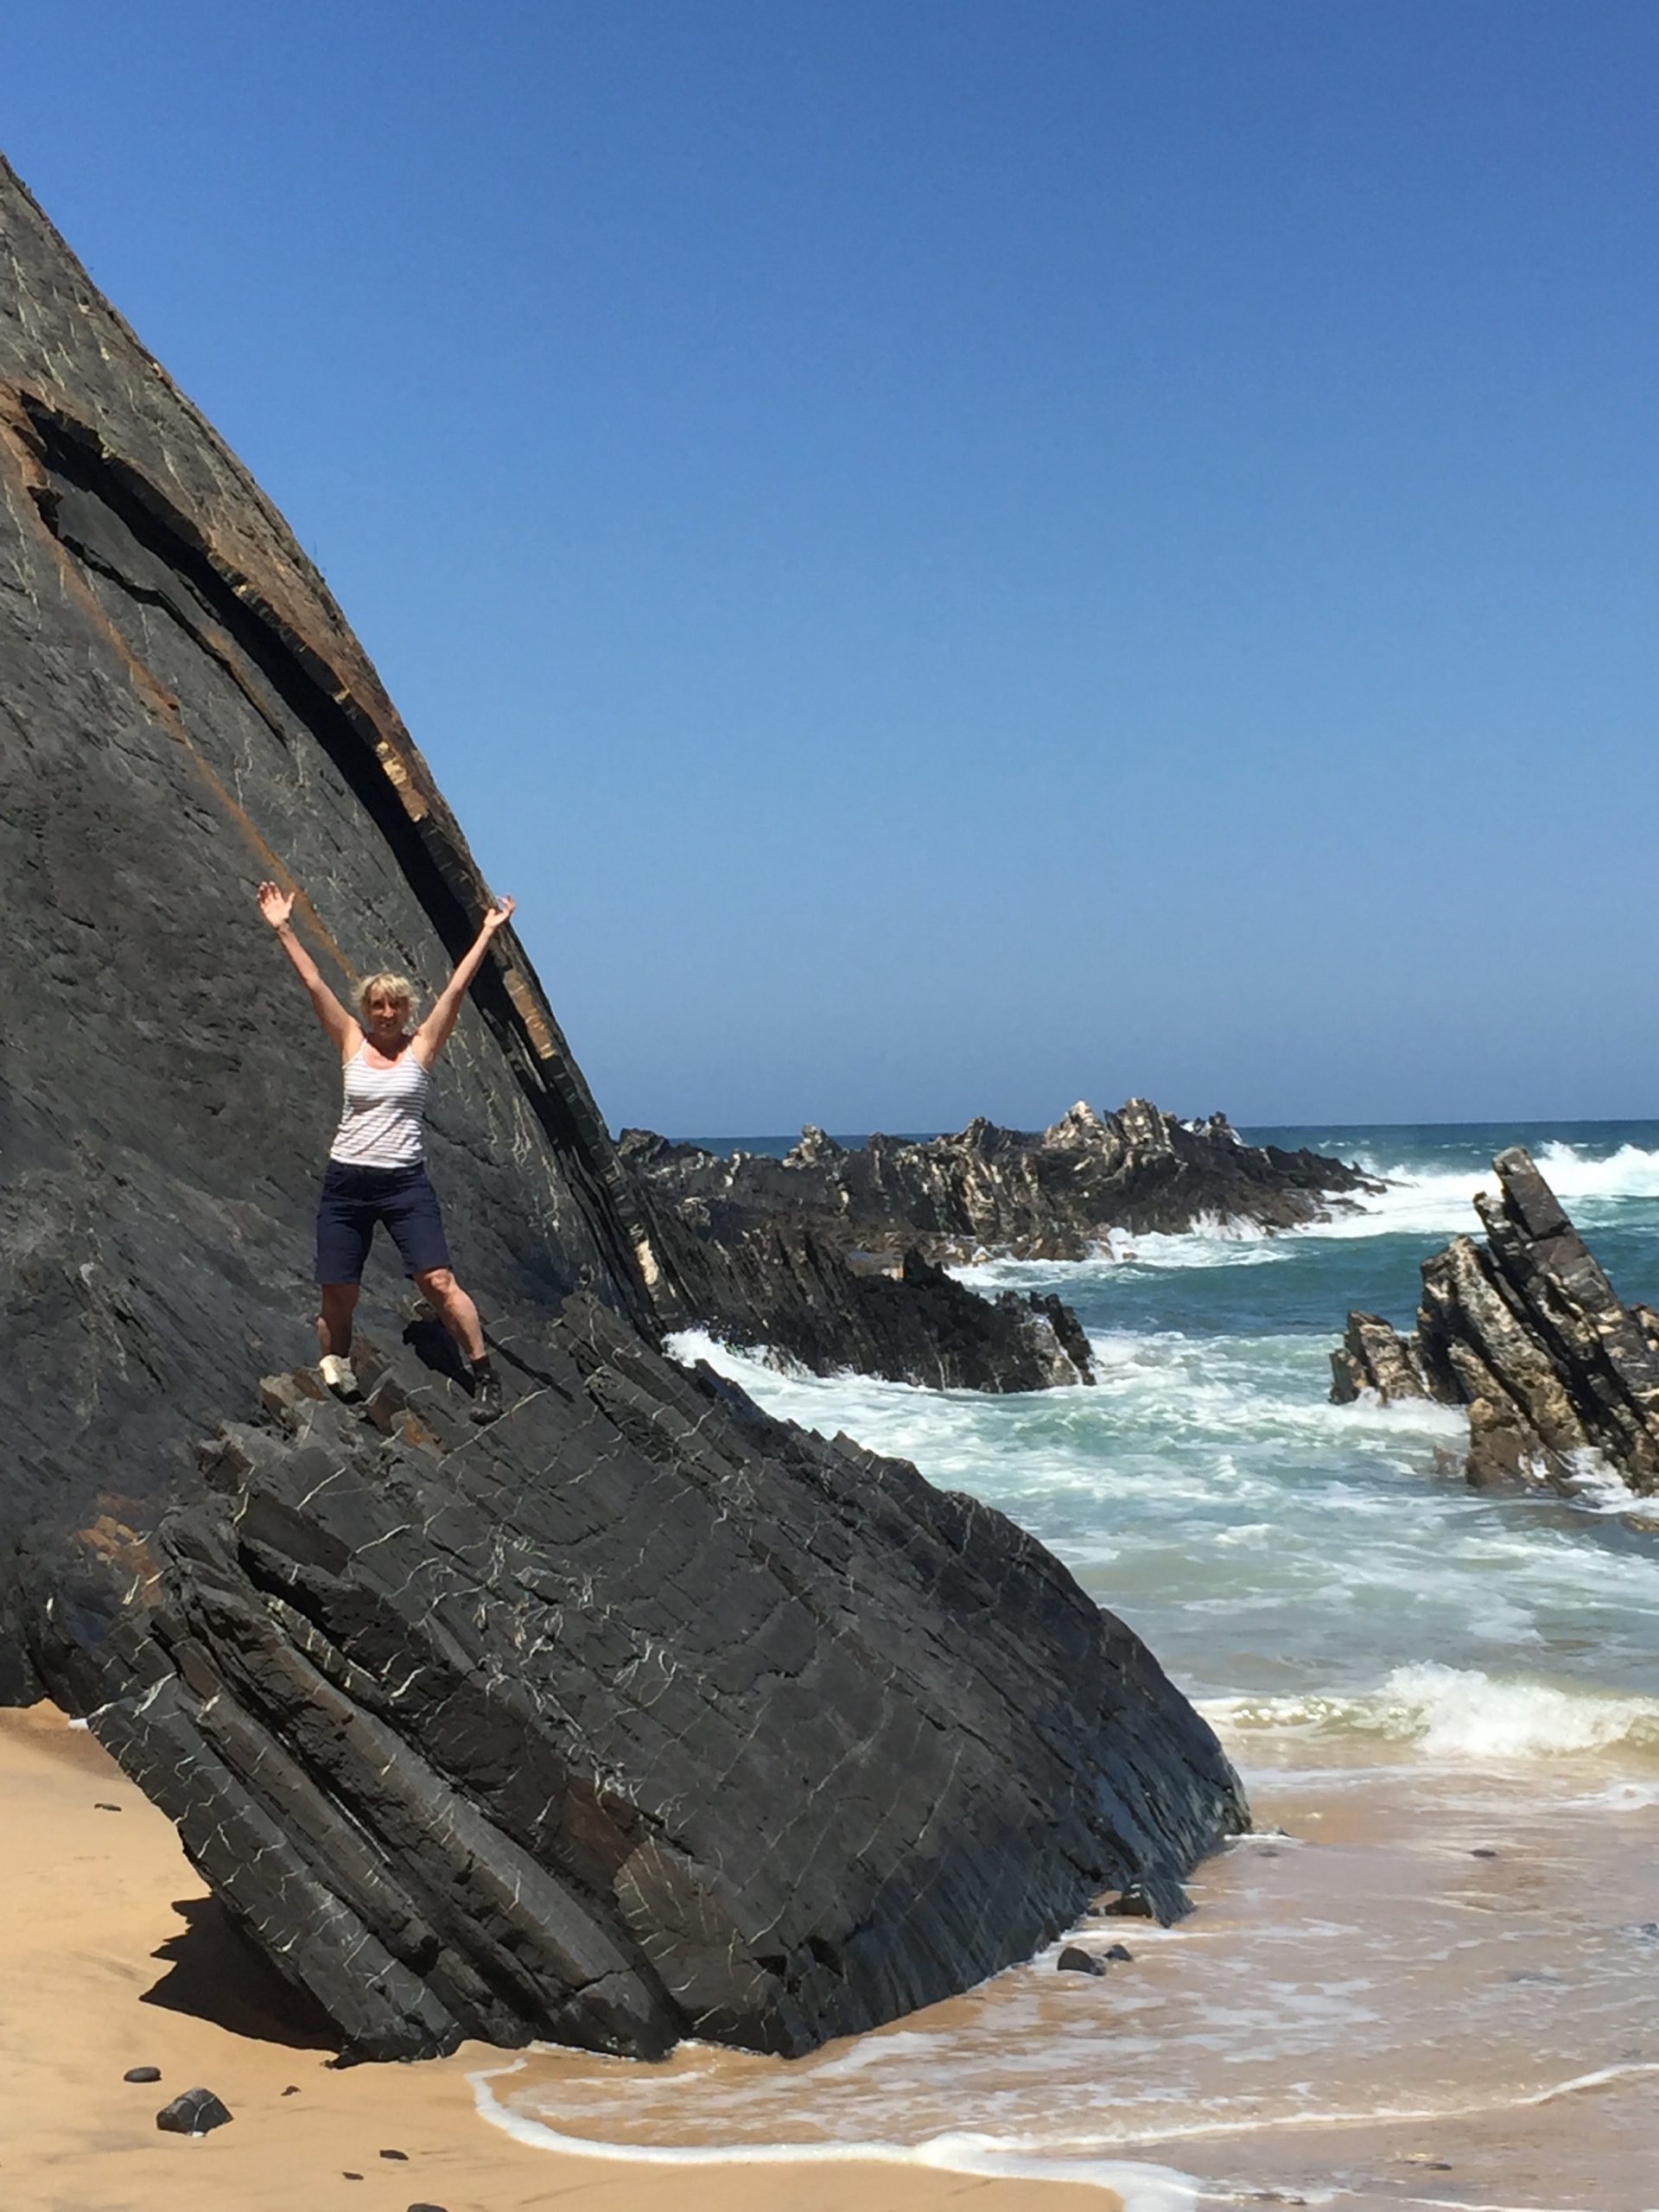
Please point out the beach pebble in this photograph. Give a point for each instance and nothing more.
(345, 2176)
(1074, 1959)
(403, 2155)
(102, 1805)
(427, 2207)
(292, 2090)
(1482, 1851)
(193, 2113)
(143, 2074)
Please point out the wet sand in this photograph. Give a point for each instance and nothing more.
(1440, 1989)
(1370, 2011)
(112, 1955)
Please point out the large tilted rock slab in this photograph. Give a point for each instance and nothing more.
(183, 713)
(1529, 1334)
(635, 1716)
(638, 1714)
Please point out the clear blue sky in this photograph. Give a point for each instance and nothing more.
(959, 554)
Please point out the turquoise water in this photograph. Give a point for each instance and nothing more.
(1402, 1668)
(1263, 1540)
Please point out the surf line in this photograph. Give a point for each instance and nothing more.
(1138, 2188)
(1142, 2187)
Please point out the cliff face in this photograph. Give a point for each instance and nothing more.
(635, 1715)
(185, 712)
(1529, 1334)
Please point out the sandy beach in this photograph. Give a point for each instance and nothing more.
(115, 1957)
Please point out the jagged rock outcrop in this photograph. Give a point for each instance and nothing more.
(988, 1191)
(636, 1714)
(786, 1289)
(835, 1256)
(1528, 1333)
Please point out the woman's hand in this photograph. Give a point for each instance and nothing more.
(434, 1033)
(275, 906)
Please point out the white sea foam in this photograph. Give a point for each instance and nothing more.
(1141, 2188)
(1441, 1201)
(1418, 1202)
(1624, 1797)
(1209, 1243)
(1462, 1713)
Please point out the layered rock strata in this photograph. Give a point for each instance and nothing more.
(786, 1290)
(634, 1715)
(1528, 1332)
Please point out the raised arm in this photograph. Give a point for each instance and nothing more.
(277, 908)
(434, 1033)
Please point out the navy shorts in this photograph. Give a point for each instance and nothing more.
(355, 1198)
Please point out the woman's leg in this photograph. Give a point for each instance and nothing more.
(345, 1225)
(411, 1214)
(454, 1309)
(334, 1322)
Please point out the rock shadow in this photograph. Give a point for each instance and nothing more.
(215, 1973)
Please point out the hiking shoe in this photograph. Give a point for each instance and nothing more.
(486, 1398)
(341, 1379)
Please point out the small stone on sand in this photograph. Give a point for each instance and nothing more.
(1075, 1960)
(193, 2113)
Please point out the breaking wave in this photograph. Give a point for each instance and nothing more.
(1140, 2188)
(1461, 1713)
(1433, 1201)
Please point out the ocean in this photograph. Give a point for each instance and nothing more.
(1431, 1976)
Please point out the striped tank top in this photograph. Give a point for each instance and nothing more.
(384, 1108)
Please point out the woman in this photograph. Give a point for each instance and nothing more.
(377, 1169)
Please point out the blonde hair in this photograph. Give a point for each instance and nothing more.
(395, 987)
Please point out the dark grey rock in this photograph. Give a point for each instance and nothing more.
(197, 2112)
(403, 2155)
(1055, 1194)
(833, 1257)
(635, 1715)
(1075, 1960)
(1120, 1952)
(1528, 1332)
(143, 2074)
(784, 1288)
